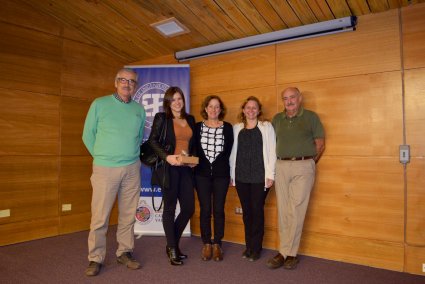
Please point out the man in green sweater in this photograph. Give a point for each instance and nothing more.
(300, 141)
(113, 132)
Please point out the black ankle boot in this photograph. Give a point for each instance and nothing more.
(173, 257)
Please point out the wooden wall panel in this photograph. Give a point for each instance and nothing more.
(414, 259)
(358, 197)
(75, 186)
(357, 211)
(415, 226)
(27, 230)
(29, 123)
(414, 36)
(233, 71)
(74, 223)
(415, 129)
(373, 47)
(40, 72)
(73, 116)
(29, 60)
(361, 114)
(368, 252)
(415, 111)
(87, 72)
(28, 187)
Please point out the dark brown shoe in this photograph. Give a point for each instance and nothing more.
(290, 262)
(128, 260)
(206, 252)
(93, 268)
(217, 252)
(277, 261)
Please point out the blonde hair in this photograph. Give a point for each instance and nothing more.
(241, 115)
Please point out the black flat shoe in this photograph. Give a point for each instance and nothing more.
(180, 254)
(246, 253)
(172, 256)
(254, 256)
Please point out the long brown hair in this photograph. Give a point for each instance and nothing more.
(241, 115)
(168, 99)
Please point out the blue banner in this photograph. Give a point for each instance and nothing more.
(153, 81)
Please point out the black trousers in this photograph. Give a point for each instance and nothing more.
(212, 193)
(181, 189)
(252, 197)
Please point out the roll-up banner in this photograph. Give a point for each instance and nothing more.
(153, 81)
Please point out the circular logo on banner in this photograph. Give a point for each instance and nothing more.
(150, 95)
(144, 213)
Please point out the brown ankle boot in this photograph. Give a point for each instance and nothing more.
(206, 252)
(217, 252)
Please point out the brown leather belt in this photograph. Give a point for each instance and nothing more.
(296, 158)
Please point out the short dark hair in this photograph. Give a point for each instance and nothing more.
(207, 101)
(168, 99)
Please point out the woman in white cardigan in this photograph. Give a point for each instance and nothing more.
(252, 170)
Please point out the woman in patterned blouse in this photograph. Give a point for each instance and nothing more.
(214, 140)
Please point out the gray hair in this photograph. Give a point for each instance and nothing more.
(129, 70)
(292, 89)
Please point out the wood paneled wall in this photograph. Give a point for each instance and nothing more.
(363, 208)
(366, 207)
(48, 77)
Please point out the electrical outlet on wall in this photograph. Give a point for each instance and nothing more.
(66, 207)
(5, 213)
(404, 154)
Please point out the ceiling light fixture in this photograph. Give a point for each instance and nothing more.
(170, 27)
(301, 32)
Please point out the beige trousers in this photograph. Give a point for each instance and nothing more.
(294, 181)
(108, 183)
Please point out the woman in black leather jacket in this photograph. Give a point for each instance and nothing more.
(179, 139)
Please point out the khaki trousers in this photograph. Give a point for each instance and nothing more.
(294, 181)
(108, 183)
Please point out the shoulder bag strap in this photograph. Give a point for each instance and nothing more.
(162, 137)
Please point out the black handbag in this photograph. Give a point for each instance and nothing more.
(158, 167)
(147, 155)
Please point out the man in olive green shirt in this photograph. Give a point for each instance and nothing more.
(300, 141)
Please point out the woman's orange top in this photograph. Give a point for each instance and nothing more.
(183, 135)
